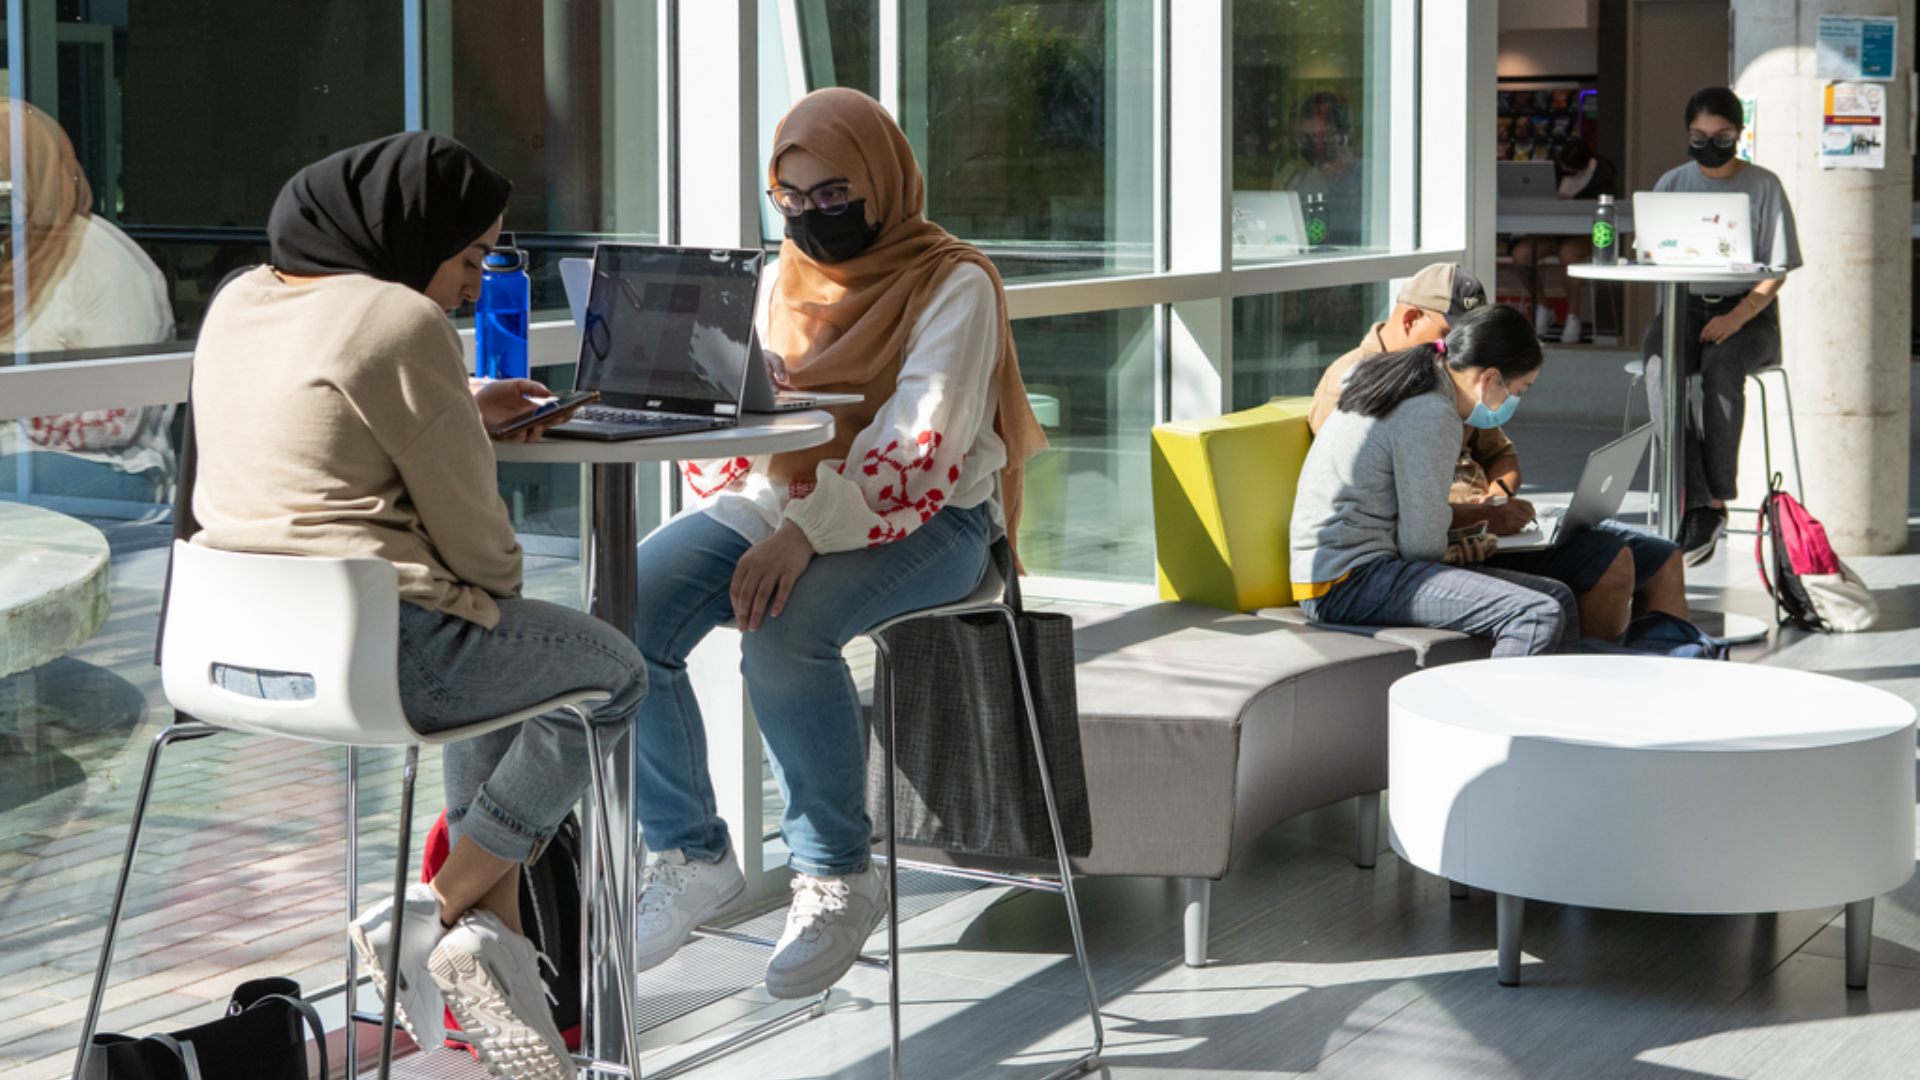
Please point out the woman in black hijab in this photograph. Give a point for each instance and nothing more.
(334, 418)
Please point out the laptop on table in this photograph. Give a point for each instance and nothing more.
(1603, 488)
(1679, 228)
(665, 334)
(761, 395)
(1526, 180)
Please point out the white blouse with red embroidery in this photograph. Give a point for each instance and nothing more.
(932, 444)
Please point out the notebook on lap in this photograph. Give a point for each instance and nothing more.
(1603, 487)
(664, 338)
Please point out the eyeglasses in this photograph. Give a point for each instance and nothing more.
(829, 198)
(1724, 142)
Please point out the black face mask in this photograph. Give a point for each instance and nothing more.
(832, 238)
(1710, 156)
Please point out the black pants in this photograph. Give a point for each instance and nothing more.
(1711, 442)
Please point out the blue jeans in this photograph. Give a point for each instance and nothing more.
(508, 789)
(797, 680)
(1523, 614)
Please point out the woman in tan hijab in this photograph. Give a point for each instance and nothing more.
(807, 550)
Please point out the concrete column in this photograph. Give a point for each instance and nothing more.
(1845, 315)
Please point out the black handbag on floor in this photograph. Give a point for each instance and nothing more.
(967, 780)
(262, 1037)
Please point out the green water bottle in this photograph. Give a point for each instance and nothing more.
(1606, 238)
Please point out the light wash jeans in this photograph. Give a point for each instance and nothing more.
(802, 693)
(1523, 614)
(508, 789)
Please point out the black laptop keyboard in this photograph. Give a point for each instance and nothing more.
(603, 414)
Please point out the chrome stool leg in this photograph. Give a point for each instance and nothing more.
(351, 1033)
(193, 729)
(409, 772)
(608, 888)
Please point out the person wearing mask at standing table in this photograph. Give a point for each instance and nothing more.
(1583, 175)
(1727, 336)
(1369, 541)
(807, 550)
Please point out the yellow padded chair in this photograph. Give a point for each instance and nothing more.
(1223, 491)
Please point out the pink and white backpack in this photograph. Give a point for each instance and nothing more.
(1811, 587)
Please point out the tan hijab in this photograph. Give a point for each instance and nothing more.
(842, 327)
(57, 198)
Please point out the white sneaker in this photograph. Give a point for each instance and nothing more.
(1542, 319)
(1570, 333)
(678, 894)
(421, 1010)
(829, 922)
(491, 979)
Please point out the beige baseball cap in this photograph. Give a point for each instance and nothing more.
(1448, 290)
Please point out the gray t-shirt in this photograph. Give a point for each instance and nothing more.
(1775, 240)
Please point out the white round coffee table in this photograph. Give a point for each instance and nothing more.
(1650, 784)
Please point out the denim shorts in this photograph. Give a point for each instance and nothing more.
(1581, 562)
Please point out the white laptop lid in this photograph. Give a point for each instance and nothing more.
(1675, 228)
(1526, 180)
(1268, 223)
(576, 276)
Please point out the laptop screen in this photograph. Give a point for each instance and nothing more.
(668, 328)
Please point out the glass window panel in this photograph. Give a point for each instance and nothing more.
(564, 100)
(182, 121)
(1033, 122)
(1284, 341)
(1087, 509)
(1311, 128)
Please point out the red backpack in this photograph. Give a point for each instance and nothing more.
(1810, 586)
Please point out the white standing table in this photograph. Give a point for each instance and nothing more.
(1651, 784)
(607, 561)
(1673, 281)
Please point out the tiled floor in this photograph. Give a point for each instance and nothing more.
(1317, 966)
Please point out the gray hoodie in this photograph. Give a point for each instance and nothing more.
(1372, 488)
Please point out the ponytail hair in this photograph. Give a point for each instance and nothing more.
(1494, 337)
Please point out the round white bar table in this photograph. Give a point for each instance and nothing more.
(612, 577)
(53, 585)
(1652, 784)
(1672, 281)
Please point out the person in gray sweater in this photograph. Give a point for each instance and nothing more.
(1369, 533)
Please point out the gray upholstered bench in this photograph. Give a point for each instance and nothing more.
(1202, 729)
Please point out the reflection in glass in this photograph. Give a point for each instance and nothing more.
(1311, 140)
(1283, 342)
(1087, 511)
(73, 280)
(1033, 122)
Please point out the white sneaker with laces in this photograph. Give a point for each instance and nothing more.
(1542, 319)
(491, 979)
(1570, 333)
(678, 894)
(420, 1009)
(829, 922)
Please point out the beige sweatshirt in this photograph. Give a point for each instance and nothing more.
(334, 419)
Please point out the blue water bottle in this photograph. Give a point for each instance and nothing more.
(500, 323)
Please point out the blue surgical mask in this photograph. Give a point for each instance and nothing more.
(1483, 417)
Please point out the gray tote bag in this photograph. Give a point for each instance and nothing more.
(967, 780)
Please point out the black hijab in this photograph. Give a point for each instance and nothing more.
(393, 209)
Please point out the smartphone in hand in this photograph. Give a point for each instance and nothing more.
(564, 405)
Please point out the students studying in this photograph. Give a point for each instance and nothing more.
(334, 418)
(1370, 527)
(806, 550)
(1727, 335)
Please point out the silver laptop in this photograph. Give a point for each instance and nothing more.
(1603, 487)
(1675, 228)
(664, 337)
(1268, 224)
(1526, 180)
